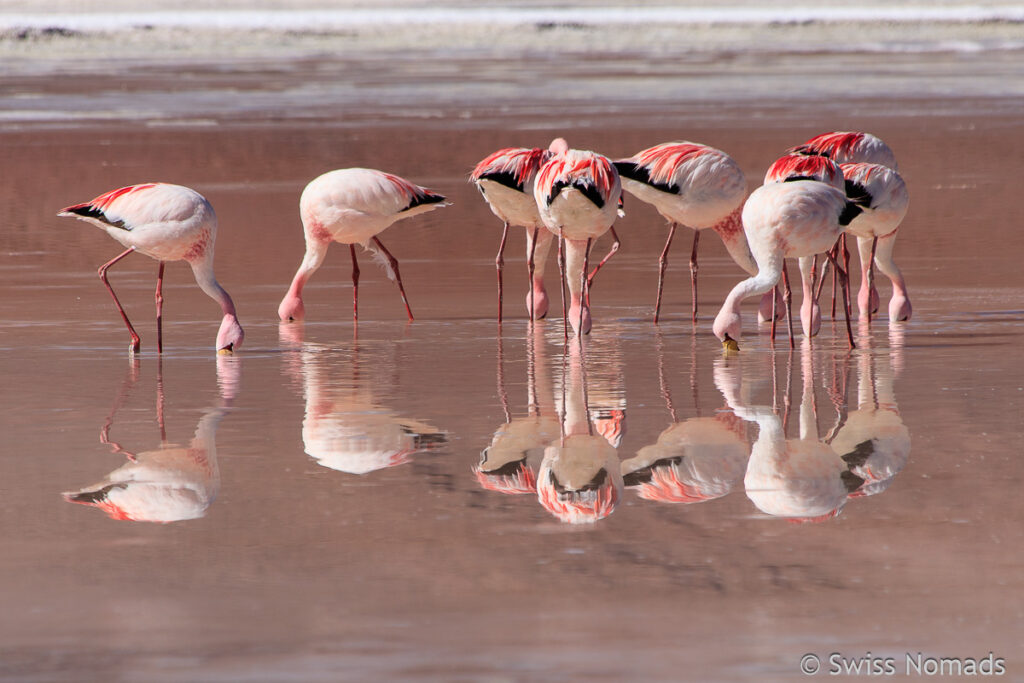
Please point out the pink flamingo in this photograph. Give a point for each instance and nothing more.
(167, 223)
(845, 147)
(577, 193)
(506, 179)
(784, 220)
(875, 230)
(848, 147)
(695, 186)
(789, 168)
(352, 206)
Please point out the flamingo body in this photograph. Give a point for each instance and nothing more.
(688, 183)
(696, 186)
(577, 193)
(352, 206)
(845, 147)
(167, 223)
(506, 179)
(784, 220)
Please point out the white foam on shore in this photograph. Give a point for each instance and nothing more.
(293, 20)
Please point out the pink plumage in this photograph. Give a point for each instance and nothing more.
(352, 206)
(167, 223)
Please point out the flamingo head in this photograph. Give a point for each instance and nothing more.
(540, 303)
(291, 308)
(899, 308)
(728, 328)
(230, 336)
(810, 318)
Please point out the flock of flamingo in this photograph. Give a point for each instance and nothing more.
(833, 184)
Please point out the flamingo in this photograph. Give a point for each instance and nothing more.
(875, 230)
(845, 147)
(167, 223)
(784, 220)
(848, 147)
(577, 193)
(790, 168)
(506, 179)
(352, 206)
(696, 186)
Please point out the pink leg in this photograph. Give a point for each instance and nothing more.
(693, 274)
(871, 277)
(499, 263)
(787, 296)
(136, 342)
(662, 264)
(775, 314)
(531, 267)
(843, 282)
(160, 309)
(561, 272)
(615, 248)
(398, 276)
(355, 285)
(585, 286)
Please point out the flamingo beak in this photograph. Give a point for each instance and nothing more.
(227, 350)
(730, 344)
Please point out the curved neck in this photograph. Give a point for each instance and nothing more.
(765, 279)
(203, 271)
(730, 229)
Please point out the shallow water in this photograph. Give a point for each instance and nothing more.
(340, 525)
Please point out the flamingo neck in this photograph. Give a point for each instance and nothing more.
(730, 229)
(203, 271)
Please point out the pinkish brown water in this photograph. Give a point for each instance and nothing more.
(317, 508)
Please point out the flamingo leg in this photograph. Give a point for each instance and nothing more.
(615, 247)
(159, 297)
(531, 267)
(398, 276)
(846, 272)
(693, 273)
(775, 316)
(499, 263)
(843, 280)
(787, 296)
(584, 286)
(871, 276)
(136, 343)
(821, 282)
(662, 264)
(355, 285)
(561, 273)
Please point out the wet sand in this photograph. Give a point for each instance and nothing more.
(298, 569)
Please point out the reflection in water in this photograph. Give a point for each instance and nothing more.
(580, 479)
(694, 460)
(810, 478)
(874, 442)
(172, 482)
(510, 463)
(345, 428)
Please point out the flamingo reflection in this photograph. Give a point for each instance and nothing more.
(800, 479)
(873, 442)
(693, 460)
(345, 428)
(580, 478)
(173, 482)
(509, 464)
